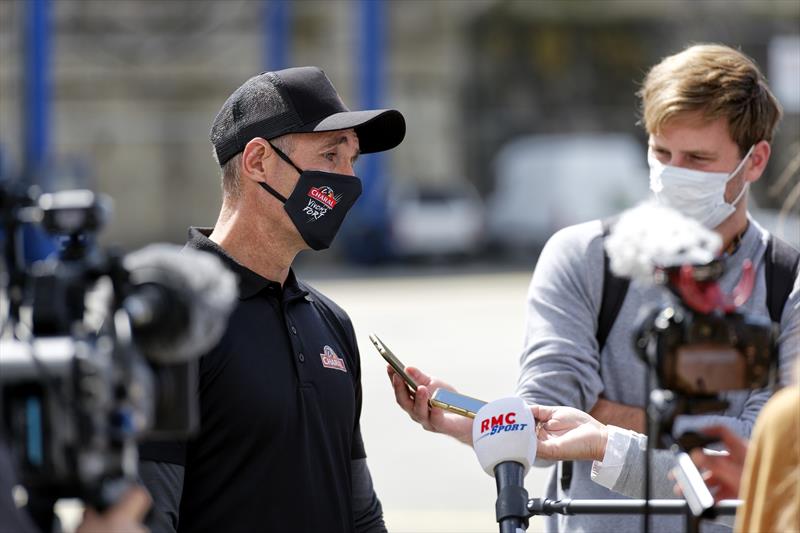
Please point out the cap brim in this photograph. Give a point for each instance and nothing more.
(377, 129)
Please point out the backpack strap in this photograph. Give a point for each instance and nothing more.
(614, 291)
(781, 262)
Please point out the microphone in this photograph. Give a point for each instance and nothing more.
(651, 236)
(504, 440)
(179, 301)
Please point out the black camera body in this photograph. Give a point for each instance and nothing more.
(73, 411)
(701, 355)
(701, 345)
(78, 388)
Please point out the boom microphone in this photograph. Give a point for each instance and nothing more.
(504, 440)
(651, 236)
(180, 301)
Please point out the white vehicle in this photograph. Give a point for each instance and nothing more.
(436, 220)
(546, 182)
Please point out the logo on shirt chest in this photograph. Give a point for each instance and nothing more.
(331, 360)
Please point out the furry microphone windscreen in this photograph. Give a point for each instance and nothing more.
(651, 235)
(196, 285)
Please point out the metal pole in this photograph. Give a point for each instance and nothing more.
(512, 498)
(36, 94)
(666, 507)
(368, 225)
(277, 33)
(36, 116)
(371, 77)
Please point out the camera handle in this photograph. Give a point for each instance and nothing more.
(664, 406)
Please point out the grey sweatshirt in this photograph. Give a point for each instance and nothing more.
(560, 364)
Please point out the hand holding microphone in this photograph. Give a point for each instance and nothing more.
(504, 441)
(568, 434)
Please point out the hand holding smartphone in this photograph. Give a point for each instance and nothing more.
(441, 398)
(395, 363)
(456, 403)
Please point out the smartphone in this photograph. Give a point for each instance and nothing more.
(398, 367)
(456, 403)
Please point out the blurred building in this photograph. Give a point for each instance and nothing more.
(136, 83)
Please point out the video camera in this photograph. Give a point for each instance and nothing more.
(702, 345)
(699, 344)
(699, 347)
(101, 348)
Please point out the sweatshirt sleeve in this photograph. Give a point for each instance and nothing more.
(560, 360)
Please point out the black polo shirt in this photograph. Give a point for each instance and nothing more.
(280, 401)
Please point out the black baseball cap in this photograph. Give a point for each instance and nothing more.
(297, 100)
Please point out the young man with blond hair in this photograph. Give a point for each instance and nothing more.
(710, 117)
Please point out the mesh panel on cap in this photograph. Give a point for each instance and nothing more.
(257, 101)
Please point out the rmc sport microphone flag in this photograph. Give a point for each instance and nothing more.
(502, 431)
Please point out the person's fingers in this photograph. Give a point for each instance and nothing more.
(542, 413)
(722, 471)
(725, 493)
(720, 489)
(558, 426)
(133, 505)
(401, 395)
(436, 418)
(392, 373)
(545, 450)
(421, 410)
(124, 516)
(735, 444)
(698, 457)
(418, 375)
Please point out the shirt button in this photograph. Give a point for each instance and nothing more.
(294, 330)
(301, 357)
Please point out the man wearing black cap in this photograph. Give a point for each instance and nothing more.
(279, 447)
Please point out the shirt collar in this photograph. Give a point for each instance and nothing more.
(250, 283)
(744, 238)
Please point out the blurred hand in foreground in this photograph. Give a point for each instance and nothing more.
(126, 516)
(722, 473)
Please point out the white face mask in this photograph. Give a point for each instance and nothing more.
(697, 194)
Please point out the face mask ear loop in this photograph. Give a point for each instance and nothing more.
(740, 166)
(272, 191)
(736, 171)
(285, 158)
(269, 189)
(741, 194)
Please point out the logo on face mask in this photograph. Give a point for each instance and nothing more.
(325, 195)
(322, 200)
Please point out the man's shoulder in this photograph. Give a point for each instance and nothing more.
(579, 242)
(578, 234)
(325, 301)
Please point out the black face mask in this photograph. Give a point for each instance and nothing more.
(318, 203)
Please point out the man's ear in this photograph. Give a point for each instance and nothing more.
(256, 158)
(758, 161)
